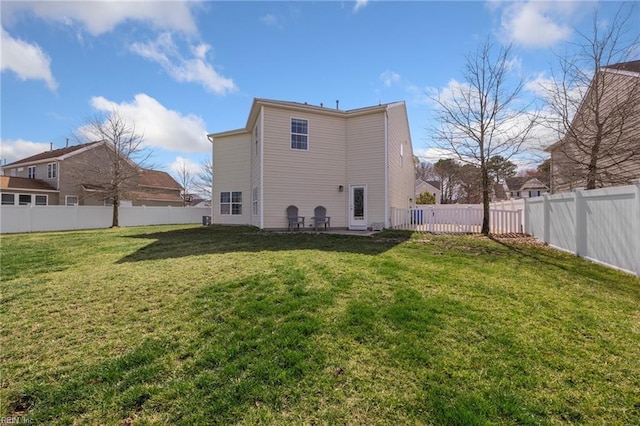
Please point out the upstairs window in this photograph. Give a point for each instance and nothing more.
(52, 170)
(299, 133)
(31, 172)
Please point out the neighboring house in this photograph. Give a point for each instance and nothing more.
(431, 186)
(615, 95)
(524, 187)
(24, 191)
(358, 164)
(73, 176)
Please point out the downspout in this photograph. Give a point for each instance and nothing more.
(261, 189)
(386, 167)
(212, 201)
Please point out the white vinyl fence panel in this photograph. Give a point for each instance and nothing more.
(15, 219)
(455, 219)
(602, 225)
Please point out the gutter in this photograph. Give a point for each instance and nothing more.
(386, 167)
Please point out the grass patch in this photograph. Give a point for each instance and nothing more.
(192, 325)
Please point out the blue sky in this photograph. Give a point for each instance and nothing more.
(181, 70)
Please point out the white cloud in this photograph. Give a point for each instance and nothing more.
(194, 69)
(99, 17)
(537, 23)
(16, 149)
(272, 20)
(27, 60)
(389, 78)
(181, 163)
(161, 127)
(432, 155)
(359, 5)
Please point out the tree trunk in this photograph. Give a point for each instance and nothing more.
(116, 203)
(485, 202)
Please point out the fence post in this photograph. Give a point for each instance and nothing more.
(580, 221)
(637, 221)
(546, 219)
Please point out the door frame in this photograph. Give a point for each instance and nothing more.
(357, 224)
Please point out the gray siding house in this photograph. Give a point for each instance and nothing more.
(73, 176)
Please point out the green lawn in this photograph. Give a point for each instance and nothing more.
(219, 325)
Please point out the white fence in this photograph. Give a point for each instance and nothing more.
(456, 219)
(64, 218)
(602, 225)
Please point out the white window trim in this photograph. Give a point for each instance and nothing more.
(14, 198)
(31, 169)
(34, 199)
(52, 170)
(66, 200)
(230, 203)
(291, 133)
(30, 199)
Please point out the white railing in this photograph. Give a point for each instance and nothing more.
(601, 225)
(450, 219)
(15, 219)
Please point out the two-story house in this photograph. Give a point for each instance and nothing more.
(76, 175)
(604, 137)
(358, 164)
(524, 187)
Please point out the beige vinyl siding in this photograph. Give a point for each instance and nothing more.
(304, 178)
(566, 175)
(232, 168)
(401, 167)
(365, 161)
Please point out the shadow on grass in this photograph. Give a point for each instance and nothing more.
(567, 262)
(229, 239)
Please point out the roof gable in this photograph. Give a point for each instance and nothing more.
(157, 179)
(56, 154)
(304, 107)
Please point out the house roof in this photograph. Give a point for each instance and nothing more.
(156, 196)
(434, 183)
(157, 179)
(18, 183)
(54, 154)
(631, 66)
(500, 193)
(297, 106)
(533, 183)
(523, 183)
(515, 183)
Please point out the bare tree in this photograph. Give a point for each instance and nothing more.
(425, 172)
(595, 104)
(484, 115)
(185, 178)
(203, 181)
(115, 175)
